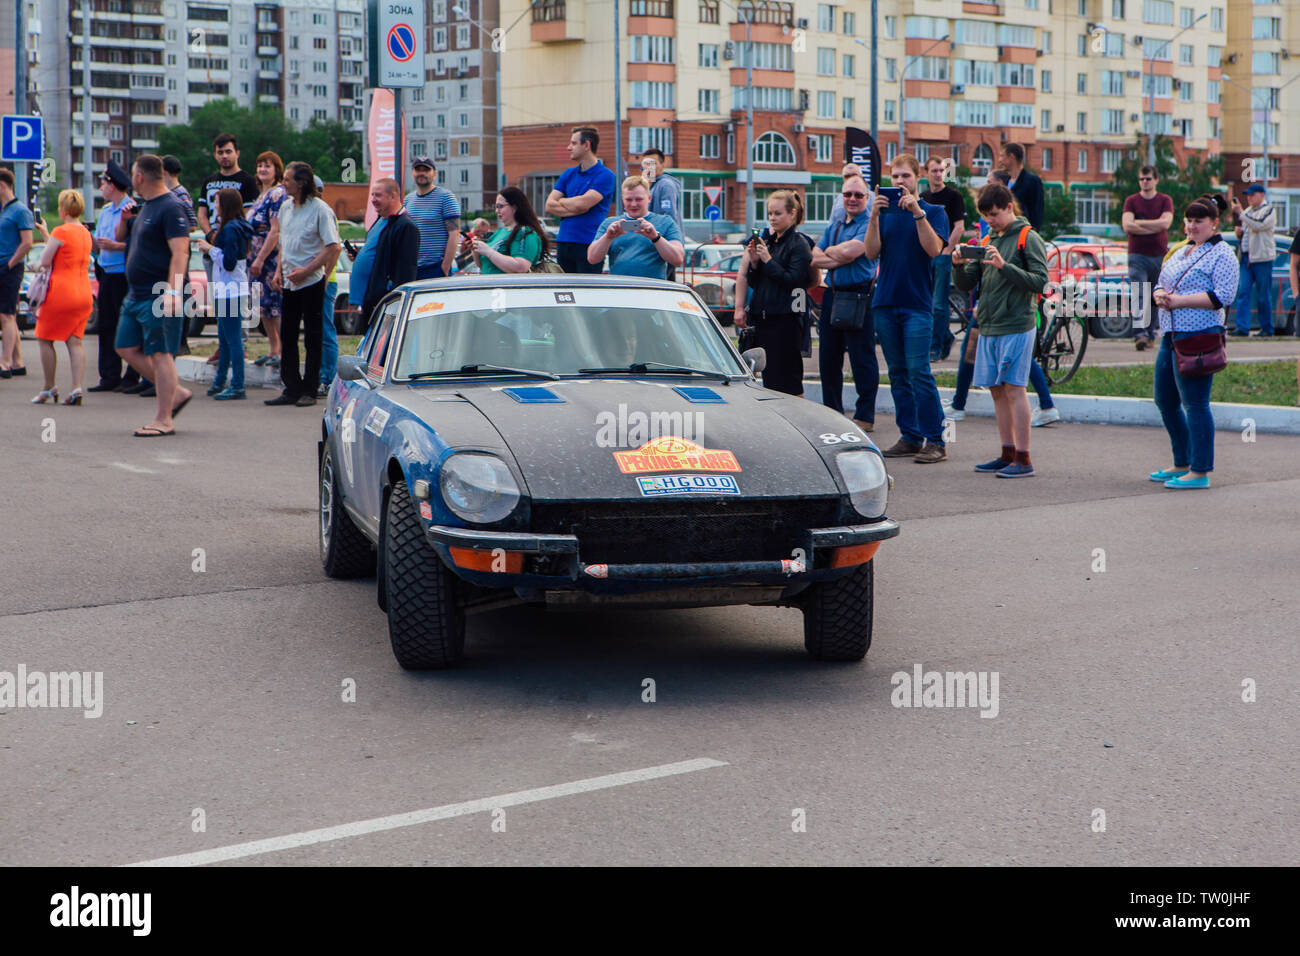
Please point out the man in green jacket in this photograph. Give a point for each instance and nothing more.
(1014, 270)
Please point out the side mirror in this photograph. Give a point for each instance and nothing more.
(757, 359)
(352, 368)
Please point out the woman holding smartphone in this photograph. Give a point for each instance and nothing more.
(777, 266)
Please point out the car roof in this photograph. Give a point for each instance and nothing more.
(562, 280)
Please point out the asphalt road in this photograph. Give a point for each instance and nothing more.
(223, 689)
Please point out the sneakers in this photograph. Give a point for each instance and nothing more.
(930, 454)
(1141, 343)
(230, 394)
(1167, 474)
(323, 390)
(989, 467)
(305, 400)
(1187, 481)
(1016, 470)
(262, 360)
(216, 388)
(901, 449)
(953, 414)
(1045, 417)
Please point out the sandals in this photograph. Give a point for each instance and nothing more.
(177, 410)
(74, 398)
(51, 395)
(152, 431)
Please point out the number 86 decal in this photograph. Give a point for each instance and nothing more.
(829, 438)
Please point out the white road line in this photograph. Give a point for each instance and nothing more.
(134, 469)
(415, 817)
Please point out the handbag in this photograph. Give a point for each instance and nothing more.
(545, 264)
(849, 309)
(1201, 354)
(39, 288)
(748, 339)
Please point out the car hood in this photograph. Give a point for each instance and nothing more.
(591, 438)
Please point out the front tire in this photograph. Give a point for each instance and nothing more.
(344, 551)
(426, 619)
(837, 616)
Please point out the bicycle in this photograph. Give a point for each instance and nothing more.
(1055, 347)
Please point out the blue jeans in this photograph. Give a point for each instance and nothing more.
(329, 348)
(941, 273)
(861, 348)
(1184, 405)
(429, 272)
(230, 339)
(1259, 275)
(904, 336)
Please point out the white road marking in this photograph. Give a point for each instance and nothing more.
(416, 817)
(163, 459)
(134, 469)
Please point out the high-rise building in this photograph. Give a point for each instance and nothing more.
(1074, 81)
(155, 62)
(1261, 67)
(452, 119)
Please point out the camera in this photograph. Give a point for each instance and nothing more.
(975, 253)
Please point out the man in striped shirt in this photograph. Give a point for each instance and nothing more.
(436, 213)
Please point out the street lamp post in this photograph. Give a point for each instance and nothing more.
(747, 16)
(902, 87)
(1267, 110)
(1151, 88)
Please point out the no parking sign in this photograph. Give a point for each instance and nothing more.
(399, 30)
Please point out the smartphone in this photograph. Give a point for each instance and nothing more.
(973, 252)
(755, 236)
(893, 194)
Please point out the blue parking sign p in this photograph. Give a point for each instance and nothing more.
(20, 139)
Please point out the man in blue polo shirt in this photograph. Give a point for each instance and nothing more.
(436, 213)
(639, 242)
(906, 236)
(111, 272)
(842, 252)
(581, 198)
(16, 225)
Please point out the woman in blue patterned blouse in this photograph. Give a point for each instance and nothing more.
(1194, 284)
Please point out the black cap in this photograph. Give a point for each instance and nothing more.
(422, 161)
(116, 175)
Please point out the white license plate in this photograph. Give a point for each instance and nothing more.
(652, 486)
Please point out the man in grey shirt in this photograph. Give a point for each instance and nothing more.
(665, 193)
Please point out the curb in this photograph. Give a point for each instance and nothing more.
(193, 368)
(1106, 410)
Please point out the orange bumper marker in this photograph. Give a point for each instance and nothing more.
(495, 561)
(854, 554)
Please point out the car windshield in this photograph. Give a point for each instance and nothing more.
(550, 329)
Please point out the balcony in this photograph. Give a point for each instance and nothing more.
(267, 50)
(559, 21)
(651, 8)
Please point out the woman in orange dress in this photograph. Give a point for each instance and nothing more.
(62, 317)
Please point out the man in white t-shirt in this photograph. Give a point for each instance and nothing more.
(309, 247)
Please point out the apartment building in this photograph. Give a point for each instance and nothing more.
(1069, 79)
(452, 119)
(1261, 67)
(154, 62)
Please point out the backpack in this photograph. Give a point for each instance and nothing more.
(1020, 248)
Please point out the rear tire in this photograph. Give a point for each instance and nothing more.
(837, 616)
(426, 618)
(344, 551)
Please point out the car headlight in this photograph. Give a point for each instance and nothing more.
(865, 477)
(478, 487)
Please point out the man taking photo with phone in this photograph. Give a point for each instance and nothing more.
(639, 242)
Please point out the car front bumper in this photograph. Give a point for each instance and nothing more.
(534, 564)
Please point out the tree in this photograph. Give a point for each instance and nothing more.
(1181, 182)
(1058, 213)
(323, 145)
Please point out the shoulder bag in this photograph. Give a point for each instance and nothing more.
(1201, 354)
(39, 288)
(849, 309)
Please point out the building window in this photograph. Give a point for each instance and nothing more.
(1185, 91)
(440, 149)
(1016, 74)
(708, 11)
(1157, 11)
(709, 100)
(648, 49)
(1212, 91)
(780, 98)
(924, 110)
(1264, 63)
(891, 70)
(464, 120)
(849, 24)
(464, 179)
(1083, 160)
(846, 107)
(972, 32)
(825, 104)
(440, 38)
(1010, 114)
(972, 113)
(1046, 161)
(823, 146)
(1045, 120)
(825, 18)
(774, 150)
(974, 72)
(1045, 80)
(825, 61)
(888, 110)
(769, 56)
(891, 150)
(462, 148)
(891, 28)
(1186, 54)
(1092, 206)
(1216, 19)
(709, 55)
(1112, 83)
(641, 138)
(1117, 9)
(1081, 122)
(651, 95)
(1110, 159)
(847, 64)
(709, 146)
(1112, 122)
(731, 147)
(462, 37)
(320, 43)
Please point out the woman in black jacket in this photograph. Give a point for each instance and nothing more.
(778, 268)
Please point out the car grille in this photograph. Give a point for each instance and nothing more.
(623, 532)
